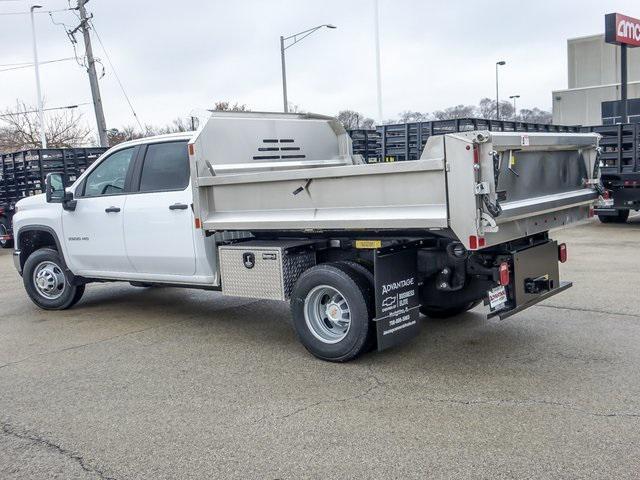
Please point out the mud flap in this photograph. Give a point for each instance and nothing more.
(396, 291)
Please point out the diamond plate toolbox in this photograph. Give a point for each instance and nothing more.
(264, 269)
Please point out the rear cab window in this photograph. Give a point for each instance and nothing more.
(165, 167)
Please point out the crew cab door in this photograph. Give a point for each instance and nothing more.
(93, 231)
(159, 220)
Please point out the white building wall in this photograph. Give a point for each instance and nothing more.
(583, 106)
(593, 78)
(592, 62)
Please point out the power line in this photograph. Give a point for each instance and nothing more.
(28, 65)
(15, 64)
(66, 107)
(135, 115)
(5, 14)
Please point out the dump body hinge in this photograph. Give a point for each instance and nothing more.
(482, 188)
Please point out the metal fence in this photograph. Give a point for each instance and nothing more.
(620, 146)
(23, 174)
(405, 141)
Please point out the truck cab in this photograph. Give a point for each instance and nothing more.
(129, 217)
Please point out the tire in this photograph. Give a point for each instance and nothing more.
(448, 312)
(55, 292)
(359, 268)
(620, 217)
(345, 292)
(5, 226)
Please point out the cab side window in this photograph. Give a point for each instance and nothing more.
(165, 167)
(108, 178)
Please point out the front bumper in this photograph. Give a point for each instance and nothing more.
(16, 261)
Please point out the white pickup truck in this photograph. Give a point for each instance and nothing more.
(275, 206)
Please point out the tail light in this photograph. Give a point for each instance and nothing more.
(504, 274)
(606, 195)
(476, 242)
(562, 252)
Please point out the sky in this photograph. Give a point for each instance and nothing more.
(174, 57)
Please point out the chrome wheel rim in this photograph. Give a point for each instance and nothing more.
(49, 280)
(327, 314)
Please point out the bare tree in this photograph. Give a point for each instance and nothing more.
(295, 108)
(20, 129)
(535, 115)
(409, 116)
(352, 120)
(224, 106)
(487, 109)
(459, 111)
(368, 124)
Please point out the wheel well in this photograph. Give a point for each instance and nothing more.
(33, 240)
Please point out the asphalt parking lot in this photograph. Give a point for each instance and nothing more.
(179, 384)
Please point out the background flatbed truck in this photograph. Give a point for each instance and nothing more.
(275, 206)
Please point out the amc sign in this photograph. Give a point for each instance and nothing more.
(620, 29)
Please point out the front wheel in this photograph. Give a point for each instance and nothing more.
(46, 283)
(332, 307)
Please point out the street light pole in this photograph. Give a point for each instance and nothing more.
(513, 97)
(283, 47)
(43, 136)
(378, 67)
(500, 63)
(284, 76)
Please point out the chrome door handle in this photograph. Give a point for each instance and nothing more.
(178, 206)
(112, 209)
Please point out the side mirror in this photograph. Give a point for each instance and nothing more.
(55, 188)
(56, 193)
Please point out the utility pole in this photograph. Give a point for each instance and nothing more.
(43, 133)
(93, 77)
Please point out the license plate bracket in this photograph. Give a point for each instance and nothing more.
(497, 297)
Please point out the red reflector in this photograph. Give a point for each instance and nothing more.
(606, 195)
(476, 155)
(198, 223)
(476, 242)
(562, 252)
(192, 149)
(504, 274)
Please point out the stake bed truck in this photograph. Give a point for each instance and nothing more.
(276, 206)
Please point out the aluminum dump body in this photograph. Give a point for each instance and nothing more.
(288, 173)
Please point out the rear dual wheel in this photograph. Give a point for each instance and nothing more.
(332, 309)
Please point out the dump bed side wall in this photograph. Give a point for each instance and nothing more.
(237, 189)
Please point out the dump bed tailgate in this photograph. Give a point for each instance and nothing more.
(520, 183)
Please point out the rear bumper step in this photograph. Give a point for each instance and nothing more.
(503, 314)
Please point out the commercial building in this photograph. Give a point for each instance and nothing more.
(594, 84)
